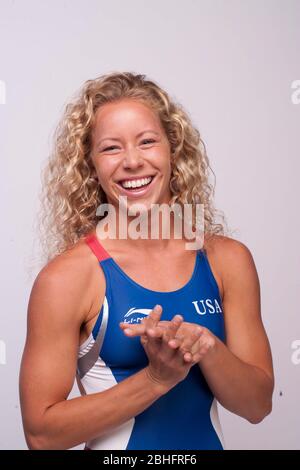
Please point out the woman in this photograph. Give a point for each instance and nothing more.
(154, 332)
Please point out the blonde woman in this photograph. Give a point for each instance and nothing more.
(155, 333)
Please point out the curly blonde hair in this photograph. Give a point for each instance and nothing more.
(71, 191)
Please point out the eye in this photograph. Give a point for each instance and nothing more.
(145, 141)
(109, 148)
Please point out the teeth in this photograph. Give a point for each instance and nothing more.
(136, 183)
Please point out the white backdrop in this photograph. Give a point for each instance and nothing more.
(234, 65)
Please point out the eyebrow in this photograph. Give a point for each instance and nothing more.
(138, 135)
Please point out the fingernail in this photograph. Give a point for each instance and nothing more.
(127, 330)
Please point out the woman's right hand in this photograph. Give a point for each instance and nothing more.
(167, 366)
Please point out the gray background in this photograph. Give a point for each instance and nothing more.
(231, 64)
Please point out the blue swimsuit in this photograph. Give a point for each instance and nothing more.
(184, 418)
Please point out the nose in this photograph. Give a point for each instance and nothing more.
(132, 159)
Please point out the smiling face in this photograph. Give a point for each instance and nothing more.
(131, 153)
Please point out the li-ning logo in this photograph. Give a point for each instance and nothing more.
(134, 314)
(212, 306)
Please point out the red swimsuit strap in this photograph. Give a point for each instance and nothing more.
(96, 247)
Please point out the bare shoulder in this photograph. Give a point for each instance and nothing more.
(228, 259)
(68, 281)
(222, 246)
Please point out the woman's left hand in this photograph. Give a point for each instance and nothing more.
(193, 351)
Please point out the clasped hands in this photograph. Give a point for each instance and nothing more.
(191, 341)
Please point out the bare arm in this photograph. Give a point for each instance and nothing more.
(55, 313)
(240, 373)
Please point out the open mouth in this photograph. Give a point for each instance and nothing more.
(135, 185)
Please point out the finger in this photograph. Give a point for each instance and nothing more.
(172, 327)
(205, 343)
(154, 316)
(191, 342)
(195, 358)
(144, 336)
(192, 358)
(171, 342)
(199, 353)
(163, 323)
(153, 339)
(138, 329)
(144, 339)
(188, 357)
(133, 330)
(175, 343)
(123, 325)
(156, 332)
